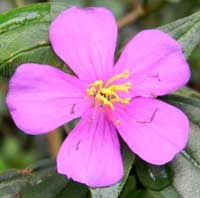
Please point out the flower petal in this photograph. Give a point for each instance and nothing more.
(91, 152)
(156, 63)
(41, 98)
(85, 39)
(154, 130)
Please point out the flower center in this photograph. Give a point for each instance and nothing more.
(108, 93)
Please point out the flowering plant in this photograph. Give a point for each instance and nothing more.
(109, 97)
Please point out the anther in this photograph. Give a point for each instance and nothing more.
(91, 91)
(126, 74)
(127, 100)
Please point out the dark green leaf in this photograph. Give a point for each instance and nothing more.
(153, 177)
(24, 36)
(74, 190)
(185, 31)
(169, 192)
(39, 180)
(50, 187)
(187, 92)
(129, 187)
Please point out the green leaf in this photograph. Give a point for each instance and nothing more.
(185, 31)
(187, 92)
(79, 3)
(131, 189)
(45, 188)
(153, 177)
(130, 186)
(169, 192)
(24, 36)
(114, 5)
(115, 190)
(38, 181)
(5, 5)
(74, 190)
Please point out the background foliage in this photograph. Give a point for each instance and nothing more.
(24, 38)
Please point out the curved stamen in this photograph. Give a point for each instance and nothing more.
(124, 74)
(108, 95)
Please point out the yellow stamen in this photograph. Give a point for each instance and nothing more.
(108, 95)
(91, 91)
(105, 100)
(96, 84)
(108, 92)
(124, 87)
(124, 74)
(123, 101)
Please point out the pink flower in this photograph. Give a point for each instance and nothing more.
(108, 98)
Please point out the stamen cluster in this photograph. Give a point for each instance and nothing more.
(107, 93)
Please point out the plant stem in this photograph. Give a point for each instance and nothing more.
(54, 139)
(141, 10)
(18, 3)
(131, 17)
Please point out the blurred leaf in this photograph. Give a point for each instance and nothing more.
(185, 31)
(187, 92)
(115, 190)
(174, 1)
(116, 6)
(39, 180)
(79, 3)
(3, 165)
(24, 36)
(194, 62)
(5, 5)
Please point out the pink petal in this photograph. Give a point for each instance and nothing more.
(156, 63)
(91, 152)
(85, 39)
(41, 98)
(154, 130)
